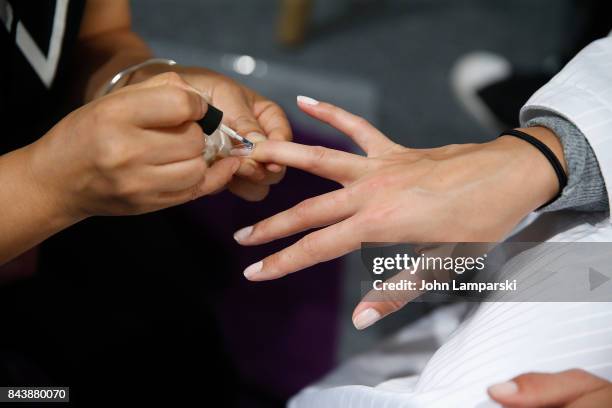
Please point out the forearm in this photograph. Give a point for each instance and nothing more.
(106, 45)
(29, 212)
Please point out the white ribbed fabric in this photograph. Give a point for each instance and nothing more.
(499, 340)
(582, 93)
(495, 343)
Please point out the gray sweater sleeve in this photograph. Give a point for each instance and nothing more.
(586, 189)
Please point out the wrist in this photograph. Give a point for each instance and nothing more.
(48, 188)
(530, 168)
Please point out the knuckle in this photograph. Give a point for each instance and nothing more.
(110, 153)
(171, 78)
(383, 214)
(394, 300)
(577, 374)
(126, 190)
(308, 246)
(342, 199)
(317, 155)
(303, 209)
(360, 122)
(182, 101)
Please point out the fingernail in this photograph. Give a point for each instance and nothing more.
(247, 169)
(243, 233)
(366, 318)
(256, 137)
(253, 270)
(504, 389)
(274, 168)
(243, 151)
(307, 100)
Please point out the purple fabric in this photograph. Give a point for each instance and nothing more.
(281, 334)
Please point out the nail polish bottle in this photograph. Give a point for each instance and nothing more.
(220, 139)
(218, 144)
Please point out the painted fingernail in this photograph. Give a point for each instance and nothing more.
(243, 233)
(253, 270)
(256, 137)
(307, 100)
(504, 389)
(243, 151)
(366, 318)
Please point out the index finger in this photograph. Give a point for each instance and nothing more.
(274, 123)
(331, 164)
(155, 107)
(273, 120)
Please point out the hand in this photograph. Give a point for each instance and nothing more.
(134, 151)
(572, 388)
(247, 112)
(455, 193)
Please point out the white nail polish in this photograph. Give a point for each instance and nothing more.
(243, 233)
(307, 100)
(504, 389)
(366, 318)
(252, 270)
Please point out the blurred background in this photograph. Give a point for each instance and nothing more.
(388, 60)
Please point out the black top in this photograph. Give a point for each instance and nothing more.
(36, 40)
(115, 300)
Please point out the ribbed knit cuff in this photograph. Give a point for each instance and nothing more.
(586, 189)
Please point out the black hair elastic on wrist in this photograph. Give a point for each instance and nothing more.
(550, 156)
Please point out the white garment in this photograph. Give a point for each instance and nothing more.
(582, 93)
(500, 340)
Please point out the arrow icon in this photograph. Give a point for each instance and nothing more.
(596, 279)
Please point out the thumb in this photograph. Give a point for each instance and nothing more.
(535, 390)
(403, 287)
(378, 304)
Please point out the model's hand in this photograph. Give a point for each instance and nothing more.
(251, 115)
(456, 193)
(572, 388)
(134, 151)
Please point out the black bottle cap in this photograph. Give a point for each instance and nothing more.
(211, 120)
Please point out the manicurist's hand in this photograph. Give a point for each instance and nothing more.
(252, 115)
(131, 152)
(456, 193)
(568, 389)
